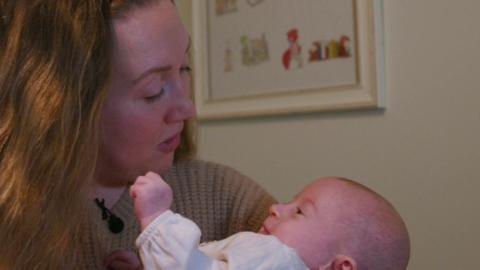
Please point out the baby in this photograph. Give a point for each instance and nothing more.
(334, 223)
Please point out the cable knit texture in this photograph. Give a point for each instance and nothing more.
(220, 200)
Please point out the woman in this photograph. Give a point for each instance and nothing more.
(94, 93)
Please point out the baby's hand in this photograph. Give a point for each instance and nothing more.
(123, 260)
(152, 196)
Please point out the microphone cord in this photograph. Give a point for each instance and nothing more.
(115, 224)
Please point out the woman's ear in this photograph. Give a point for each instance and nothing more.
(341, 262)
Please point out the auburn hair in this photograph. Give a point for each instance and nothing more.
(54, 66)
(54, 72)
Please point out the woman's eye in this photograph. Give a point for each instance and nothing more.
(152, 98)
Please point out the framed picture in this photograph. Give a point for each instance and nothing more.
(266, 57)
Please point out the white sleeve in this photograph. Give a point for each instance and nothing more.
(249, 251)
(171, 242)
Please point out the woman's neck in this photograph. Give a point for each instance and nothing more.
(110, 193)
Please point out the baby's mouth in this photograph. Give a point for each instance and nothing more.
(264, 230)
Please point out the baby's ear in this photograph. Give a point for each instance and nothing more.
(341, 262)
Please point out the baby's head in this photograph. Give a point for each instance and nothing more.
(336, 223)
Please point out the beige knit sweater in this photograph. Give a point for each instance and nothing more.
(219, 199)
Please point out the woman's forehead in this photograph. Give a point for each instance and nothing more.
(149, 38)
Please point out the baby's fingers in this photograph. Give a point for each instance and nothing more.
(121, 265)
(153, 176)
(133, 192)
(122, 260)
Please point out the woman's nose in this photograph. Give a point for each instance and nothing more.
(182, 105)
(182, 110)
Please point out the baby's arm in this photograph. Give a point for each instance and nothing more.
(170, 241)
(152, 197)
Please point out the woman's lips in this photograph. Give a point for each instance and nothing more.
(170, 144)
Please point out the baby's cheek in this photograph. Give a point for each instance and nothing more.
(283, 234)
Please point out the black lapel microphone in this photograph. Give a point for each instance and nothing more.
(115, 224)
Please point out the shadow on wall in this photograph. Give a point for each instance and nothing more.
(351, 114)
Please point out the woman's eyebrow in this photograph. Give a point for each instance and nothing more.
(152, 70)
(160, 69)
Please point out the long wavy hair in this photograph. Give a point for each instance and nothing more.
(54, 70)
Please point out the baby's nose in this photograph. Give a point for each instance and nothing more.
(281, 210)
(274, 210)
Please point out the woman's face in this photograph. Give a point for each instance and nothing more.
(149, 99)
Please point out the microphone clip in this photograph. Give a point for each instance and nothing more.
(115, 224)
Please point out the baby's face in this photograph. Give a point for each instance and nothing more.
(306, 224)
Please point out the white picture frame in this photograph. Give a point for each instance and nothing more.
(367, 90)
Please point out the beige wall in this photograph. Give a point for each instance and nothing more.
(422, 152)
